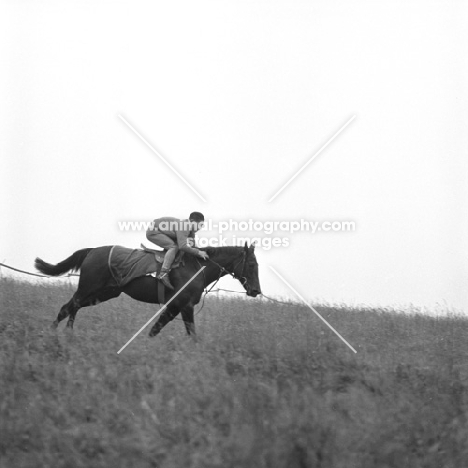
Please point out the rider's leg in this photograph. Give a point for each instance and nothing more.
(169, 258)
(171, 248)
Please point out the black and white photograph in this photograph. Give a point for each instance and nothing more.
(234, 234)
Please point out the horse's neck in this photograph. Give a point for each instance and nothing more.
(214, 272)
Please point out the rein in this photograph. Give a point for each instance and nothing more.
(242, 279)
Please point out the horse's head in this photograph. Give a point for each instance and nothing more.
(247, 271)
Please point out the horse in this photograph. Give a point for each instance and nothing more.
(96, 284)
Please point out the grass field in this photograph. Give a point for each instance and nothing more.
(267, 385)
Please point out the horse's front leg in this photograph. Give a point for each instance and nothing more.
(167, 316)
(187, 315)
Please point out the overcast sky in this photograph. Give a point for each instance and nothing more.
(237, 96)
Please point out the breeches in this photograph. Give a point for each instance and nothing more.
(166, 243)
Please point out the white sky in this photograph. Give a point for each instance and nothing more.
(237, 96)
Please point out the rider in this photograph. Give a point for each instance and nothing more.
(174, 234)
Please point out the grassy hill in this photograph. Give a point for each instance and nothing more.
(267, 385)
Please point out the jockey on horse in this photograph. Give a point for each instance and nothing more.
(172, 235)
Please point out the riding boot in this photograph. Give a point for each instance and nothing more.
(164, 278)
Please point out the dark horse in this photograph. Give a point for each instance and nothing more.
(96, 283)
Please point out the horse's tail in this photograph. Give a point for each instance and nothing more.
(73, 262)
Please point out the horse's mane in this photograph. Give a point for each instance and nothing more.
(222, 251)
(217, 252)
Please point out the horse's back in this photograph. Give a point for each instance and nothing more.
(97, 256)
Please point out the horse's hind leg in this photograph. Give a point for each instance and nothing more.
(76, 305)
(65, 311)
(91, 300)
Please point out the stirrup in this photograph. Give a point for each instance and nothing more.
(164, 278)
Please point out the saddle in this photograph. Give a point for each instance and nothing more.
(159, 257)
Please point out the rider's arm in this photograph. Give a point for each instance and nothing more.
(183, 243)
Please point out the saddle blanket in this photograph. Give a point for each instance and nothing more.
(127, 264)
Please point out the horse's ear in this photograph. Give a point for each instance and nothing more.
(246, 249)
(252, 246)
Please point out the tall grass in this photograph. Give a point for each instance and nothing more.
(266, 385)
